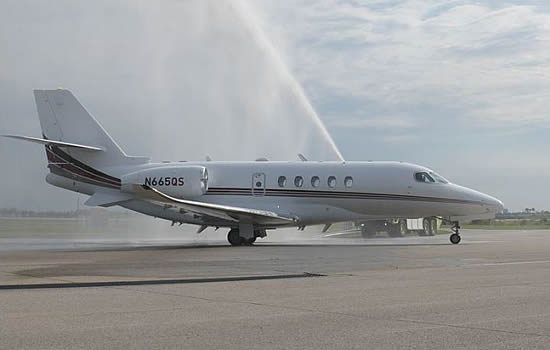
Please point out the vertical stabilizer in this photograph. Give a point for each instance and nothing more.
(64, 119)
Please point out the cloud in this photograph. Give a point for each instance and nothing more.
(470, 78)
(464, 81)
(379, 123)
(177, 80)
(486, 58)
(400, 139)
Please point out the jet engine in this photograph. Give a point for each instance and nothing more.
(184, 182)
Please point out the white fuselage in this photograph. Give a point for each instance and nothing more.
(248, 197)
(313, 192)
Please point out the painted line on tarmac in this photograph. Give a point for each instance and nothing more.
(514, 263)
(154, 282)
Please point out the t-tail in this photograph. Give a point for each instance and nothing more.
(77, 146)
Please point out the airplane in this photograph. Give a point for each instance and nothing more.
(248, 198)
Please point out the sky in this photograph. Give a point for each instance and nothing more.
(459, 86)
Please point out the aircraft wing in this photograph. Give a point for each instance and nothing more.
(224, 212)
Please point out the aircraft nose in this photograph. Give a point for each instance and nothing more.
(490, 204)
(494, 205)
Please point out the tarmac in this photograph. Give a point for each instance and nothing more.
(490, 292)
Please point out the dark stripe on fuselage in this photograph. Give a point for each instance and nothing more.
(69, 175)
(55, 150)
(77, 171)
(78, 164)
(62, 164)
(332, 194)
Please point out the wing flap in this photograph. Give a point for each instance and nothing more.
(225, 212)
(107, 198)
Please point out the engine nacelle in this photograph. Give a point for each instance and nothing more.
(178, 181)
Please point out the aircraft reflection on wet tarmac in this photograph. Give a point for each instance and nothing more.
(90, 243)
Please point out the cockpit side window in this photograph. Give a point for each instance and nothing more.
(424, 177)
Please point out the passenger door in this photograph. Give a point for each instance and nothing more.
(258, 184)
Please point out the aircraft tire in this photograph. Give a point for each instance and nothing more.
(234, 238)
(249, 241)
(395, 231)
(433, 226)
(367, 232)
(426, 224)
(455, 238)
(403, 227)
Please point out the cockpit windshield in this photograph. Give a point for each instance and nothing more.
(439, 178)
(430, 177)
(423, 177)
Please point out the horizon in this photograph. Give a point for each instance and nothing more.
(460, 87)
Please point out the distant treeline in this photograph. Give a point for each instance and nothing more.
(12, 212)
(82, 213)
(524, 215)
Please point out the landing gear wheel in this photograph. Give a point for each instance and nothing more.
(234, 237)
(403, 227)
(433, 226)
(367, 232)
(249, 241)
(455, 238)
(395, 231)
(426, 227)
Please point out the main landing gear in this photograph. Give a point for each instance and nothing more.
(235, 239)
(455, 237)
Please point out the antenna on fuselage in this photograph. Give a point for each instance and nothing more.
(302, 158)
(208, 159)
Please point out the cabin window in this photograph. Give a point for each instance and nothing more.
(424, 177)
(282, 181)
(331, 181)
(298, 181)
(348, 181)
(315, 181)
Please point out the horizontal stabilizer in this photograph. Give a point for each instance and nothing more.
(55, 143)
(107, 198)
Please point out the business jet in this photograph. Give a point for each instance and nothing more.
(248, 198)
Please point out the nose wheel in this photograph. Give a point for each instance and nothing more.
(455, 237)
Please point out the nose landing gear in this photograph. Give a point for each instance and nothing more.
(455, 237)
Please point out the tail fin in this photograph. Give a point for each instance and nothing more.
(64, 119)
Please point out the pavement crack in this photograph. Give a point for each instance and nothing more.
(441, 324)
(335, 313)
(20, 274)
